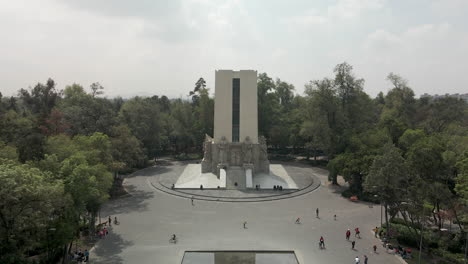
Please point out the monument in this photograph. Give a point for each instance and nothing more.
(236, 148)
(235, 157)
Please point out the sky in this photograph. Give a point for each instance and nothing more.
(149, 47)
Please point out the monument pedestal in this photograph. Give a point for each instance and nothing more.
(239, 154)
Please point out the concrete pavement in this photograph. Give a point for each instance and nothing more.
(149, 217)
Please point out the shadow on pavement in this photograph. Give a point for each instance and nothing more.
(149, 171)
(136, 202)
(109, 249)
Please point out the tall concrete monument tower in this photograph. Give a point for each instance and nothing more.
(236, 147)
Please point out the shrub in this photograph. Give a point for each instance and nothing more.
(448, 257)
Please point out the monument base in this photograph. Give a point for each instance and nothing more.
(192, 178)
(234, 154)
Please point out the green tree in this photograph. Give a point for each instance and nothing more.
(85, 114)
(27, 201)
(143, 117)
(268, 105)
(323, 117)
(41, 99)
(387, 175)
(399, 109)
(126, 148)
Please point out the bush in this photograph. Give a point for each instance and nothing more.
(448, 257)
(188, 156)
(404, 236)
(400, 221)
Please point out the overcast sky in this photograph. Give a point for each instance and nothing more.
(149, 47)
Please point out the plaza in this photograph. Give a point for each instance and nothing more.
(149, 216)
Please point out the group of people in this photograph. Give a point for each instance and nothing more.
(80, 256)
(102, 233)
(277, 187)
(102, 230)
(358, 261)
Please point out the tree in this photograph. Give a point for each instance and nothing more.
(285, 93)
(144, 119)
(350, 92)
(126, 148)
(462, 179)
(268, 105)
(41, 99)
(96, 89)
(84, 114)
(445, 111)
(203, 114)
(199, 86)
(8, 152)
(322, 124)
(182, 135)
(27, 196)
(386, 176)
(399, 109)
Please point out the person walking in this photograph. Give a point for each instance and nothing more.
(322, 242)
(245, 225)
(376, 231)
(109, 220)
(365, 259)
(298, 220)
(334, 217)
(375, 248)
(317, 212)
(192, 201)
(105, 231)
(86, 255)
(356, 260)
(353, 244)
(357, 232)
(348, 234)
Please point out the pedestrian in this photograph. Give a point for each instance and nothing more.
(245, 223)
(109, 220)
(358, 233)
(375, 248)
(192, 201)
(105, 231)
(322, 242)
(357, 260)
(365, 259)
(334, 217)
(86, 255)
(353, 244)
(376, 230)
(348, 234)
(317, 212)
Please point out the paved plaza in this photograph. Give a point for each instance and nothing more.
(148, 217)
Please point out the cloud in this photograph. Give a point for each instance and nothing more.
(342, 10)
(450, 8)
(431, 56)
(163, 47)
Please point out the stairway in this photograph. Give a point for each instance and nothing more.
(235, 174)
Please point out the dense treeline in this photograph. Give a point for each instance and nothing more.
(61, 151)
